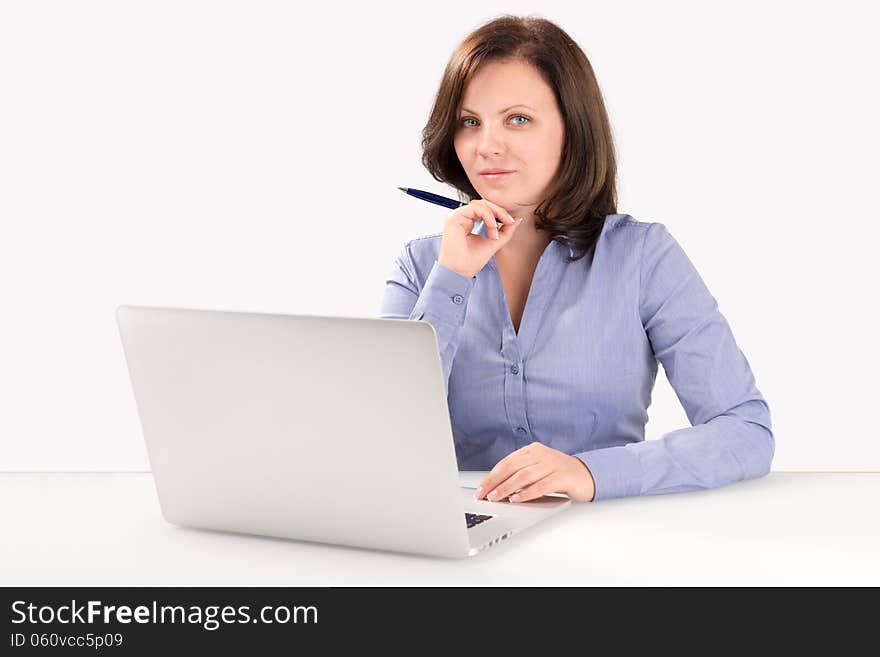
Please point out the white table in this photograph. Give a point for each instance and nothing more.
(105, 529)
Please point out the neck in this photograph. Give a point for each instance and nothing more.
(527, 243)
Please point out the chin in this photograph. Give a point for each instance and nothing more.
(494, 197)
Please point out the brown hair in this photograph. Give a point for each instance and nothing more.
(584, 190)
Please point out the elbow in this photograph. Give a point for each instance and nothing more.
(761, 451)
(770, 450)
(765, 428)
(758, 445)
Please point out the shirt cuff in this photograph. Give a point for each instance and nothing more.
(444, 295)
(616, 471)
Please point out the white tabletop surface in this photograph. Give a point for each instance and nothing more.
(105, 529)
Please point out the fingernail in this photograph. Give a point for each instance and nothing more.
(496, 236)
(514, 498)
(478, 492)
(492, 495)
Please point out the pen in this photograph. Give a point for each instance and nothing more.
(436, 198)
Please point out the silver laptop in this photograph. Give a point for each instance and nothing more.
(326, 429)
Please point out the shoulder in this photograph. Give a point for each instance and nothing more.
(417, 257)
(625, 237)
(424, 241)
(425, 248)
(663, 265)
(624, 226)
(647, 249)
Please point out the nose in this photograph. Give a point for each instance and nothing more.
(489, 143)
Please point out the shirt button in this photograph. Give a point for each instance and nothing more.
(514, 369)
(457, 298)
(521, 431)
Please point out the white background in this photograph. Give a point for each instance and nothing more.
(246, 155)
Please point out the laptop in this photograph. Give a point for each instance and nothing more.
(314, 428)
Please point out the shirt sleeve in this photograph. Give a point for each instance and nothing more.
(731, 437)
(442, 302)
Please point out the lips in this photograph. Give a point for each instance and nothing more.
(497, 176)
(493, 171)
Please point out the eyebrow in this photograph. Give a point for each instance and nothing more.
(464, 109)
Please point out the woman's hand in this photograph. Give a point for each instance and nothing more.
(535, 470)
(466, 253)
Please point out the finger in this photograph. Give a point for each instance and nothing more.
(504, 468)
(489, 219)
(495, 476)
(473, 212)
(500, 212)
(508, 229)
(468, 215)
(539, 488)
(500, 218)
(518, 480)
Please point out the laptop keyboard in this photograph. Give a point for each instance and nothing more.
(474, 519)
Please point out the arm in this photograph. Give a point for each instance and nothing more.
(442, 302)
(731, 437)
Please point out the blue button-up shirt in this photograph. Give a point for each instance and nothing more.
(579, 374)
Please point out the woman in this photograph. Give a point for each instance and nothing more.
(550, 321)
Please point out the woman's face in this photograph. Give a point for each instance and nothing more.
(509, 119)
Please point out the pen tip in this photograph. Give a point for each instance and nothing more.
(403, 189)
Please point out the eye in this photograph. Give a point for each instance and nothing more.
(515, 116)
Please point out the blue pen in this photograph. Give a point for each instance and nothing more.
(436, 198)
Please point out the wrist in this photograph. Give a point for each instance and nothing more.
(457, 271)
(589, 481)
